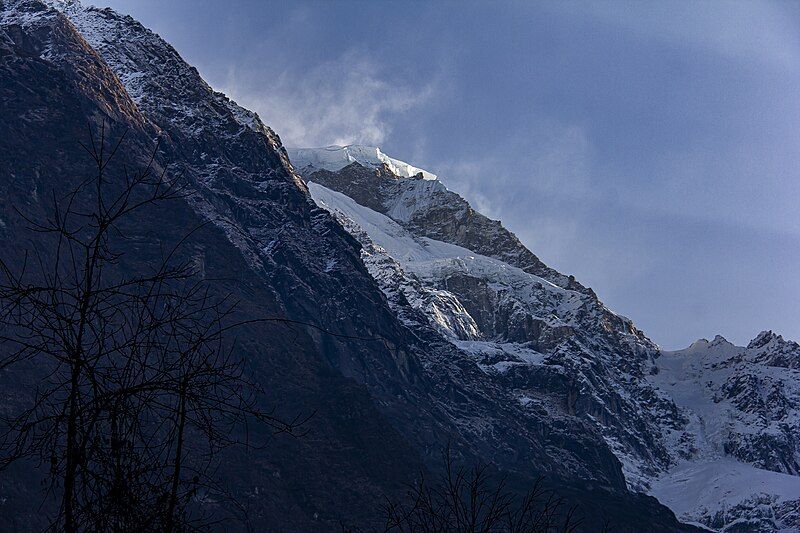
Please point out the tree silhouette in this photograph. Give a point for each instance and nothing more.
(465, 499)
(142, 387)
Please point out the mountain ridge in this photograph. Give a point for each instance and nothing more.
(672, 438)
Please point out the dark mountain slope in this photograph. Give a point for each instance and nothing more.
(47, 107)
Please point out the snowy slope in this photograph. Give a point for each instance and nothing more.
(726, 494)
(431, 260)
(387, 249)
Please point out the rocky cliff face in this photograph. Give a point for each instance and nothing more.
(383, 409)
(711, 430)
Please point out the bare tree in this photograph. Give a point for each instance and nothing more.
(468, 500)
(142, 387)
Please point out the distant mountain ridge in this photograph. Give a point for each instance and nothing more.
(743, 409)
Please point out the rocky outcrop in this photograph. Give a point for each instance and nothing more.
(426, 207)
(771, 349)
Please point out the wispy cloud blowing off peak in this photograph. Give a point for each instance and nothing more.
(345, 101)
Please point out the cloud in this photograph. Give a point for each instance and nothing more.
(348, 100)
(530, 183)
(550, 158)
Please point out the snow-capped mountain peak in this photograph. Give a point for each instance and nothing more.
(714, 422)
(719, 347)
(740, 451)
(336, 157)
(767, 337)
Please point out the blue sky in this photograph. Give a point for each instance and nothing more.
(651, 149)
